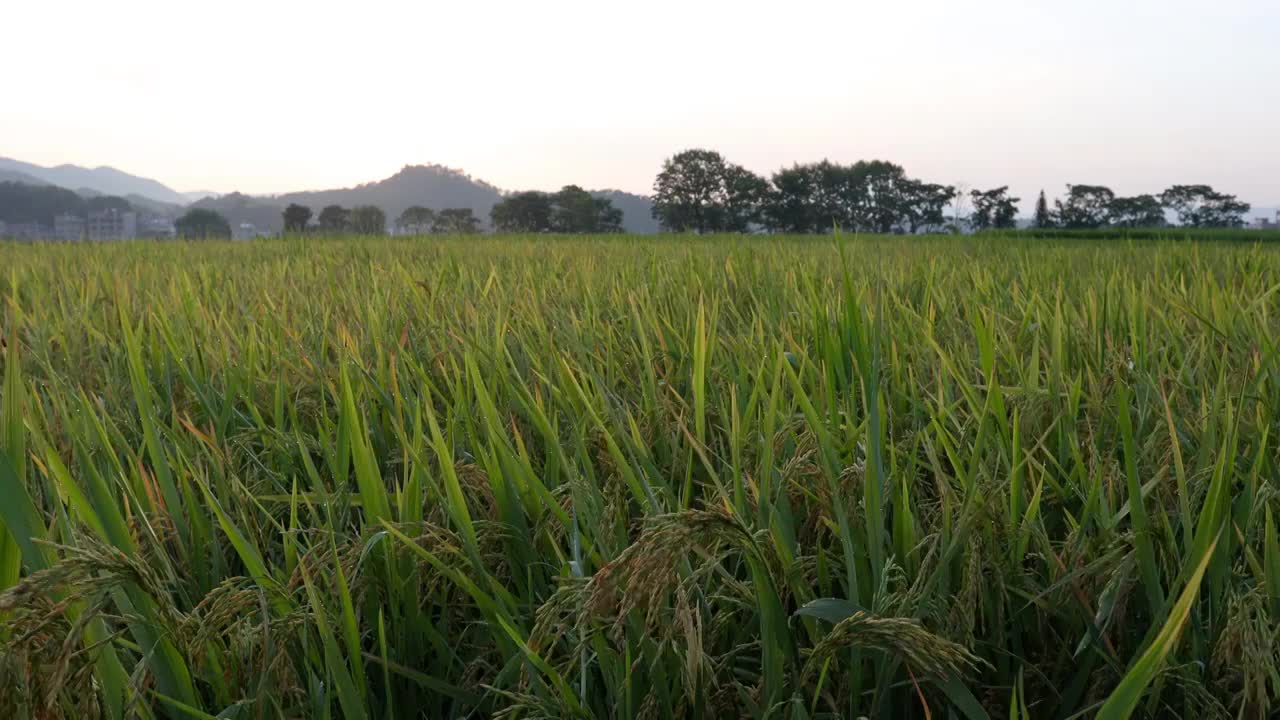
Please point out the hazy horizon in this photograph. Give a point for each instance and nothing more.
(273, 98)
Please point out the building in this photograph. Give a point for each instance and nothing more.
(156, 227)
(1263, 223)
(26, 231)
(68, 227)
(248, 231)
(112, 225)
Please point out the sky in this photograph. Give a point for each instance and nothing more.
(267, 96)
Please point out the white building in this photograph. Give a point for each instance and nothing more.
(112, 225)
(155, 227)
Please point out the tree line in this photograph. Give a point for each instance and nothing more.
(1089, 207)
(570, 210)
(699, 191)
(371, 220)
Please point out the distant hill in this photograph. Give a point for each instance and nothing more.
(237, 208)
(105, 180)
(433, 186)
(23, 202)
(20, 177)
(155, 207)
(28, 203)
(144, 205)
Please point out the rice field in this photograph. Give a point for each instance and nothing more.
(532, 477)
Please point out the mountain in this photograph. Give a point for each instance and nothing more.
(20, 177)
(198, 195)
(105, 180)
(433, 186)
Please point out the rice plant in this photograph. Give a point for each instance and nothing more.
(530, 477)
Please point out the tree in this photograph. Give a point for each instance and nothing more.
(368, 220)
(608, 219)
(1086, 207)
(688, 192)
(1044, 218)
(524, 212)
(698, 191)
(923, 205)
(201, 224)
(1201, 206)
(1223, 211)
(792, 205)
(334, 219)
(877, 201)
(1143, 211)
(574, 210)
(813, 198)
(746, 195)
(416, 220)
(874, 196)
(456, 221)
(994, 209)
(838, 190)
(296, 218)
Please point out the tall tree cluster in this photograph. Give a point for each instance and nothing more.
(571, 210)
(871, 196)
(1086, 206)
(699, 191)
(1202, 206)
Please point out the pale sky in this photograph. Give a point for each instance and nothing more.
(269, 96)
